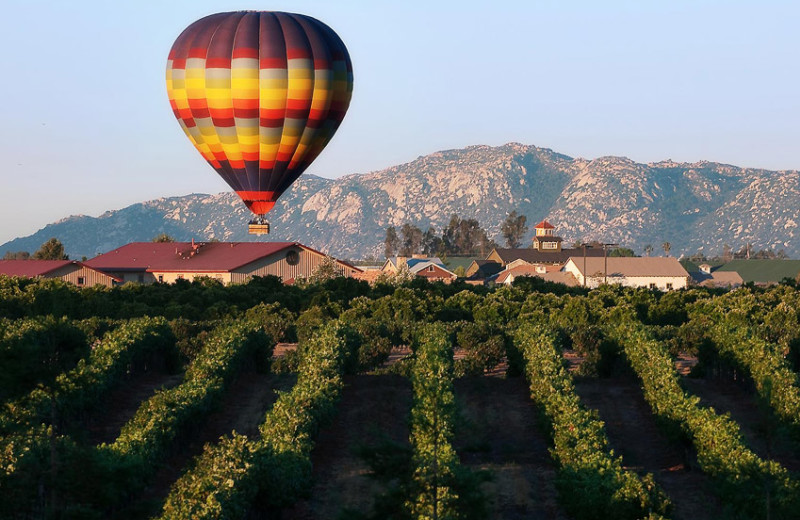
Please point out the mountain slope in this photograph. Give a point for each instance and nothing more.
(692, 206)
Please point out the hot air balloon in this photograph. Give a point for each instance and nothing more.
(259, 94)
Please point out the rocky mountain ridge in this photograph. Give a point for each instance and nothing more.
(694, 206)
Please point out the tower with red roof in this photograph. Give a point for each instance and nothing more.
(545, 239)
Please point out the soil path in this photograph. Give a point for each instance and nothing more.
(372, 407)
(123, 402)
(498, 431)
(243, 408)
(395, 355)
(759, 428)
(634, 434)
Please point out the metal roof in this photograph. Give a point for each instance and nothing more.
(530, 270)
(534, 256)
(186, 256)
(421, 265)
(631, 266)
(32, 268)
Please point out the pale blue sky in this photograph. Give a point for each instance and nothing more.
(85, 124)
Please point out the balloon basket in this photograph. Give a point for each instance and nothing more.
(258, 226)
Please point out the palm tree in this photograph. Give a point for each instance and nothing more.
(666, 246)
(648, 249)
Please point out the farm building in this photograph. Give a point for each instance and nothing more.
(71, 271)
(708, 277)
(759, 271)
(663, 273)
(505, 256)
(433, 269)
(482, 269)
(546, 252)
(508, 275)
(228, 262)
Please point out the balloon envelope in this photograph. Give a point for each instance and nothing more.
(259, 94)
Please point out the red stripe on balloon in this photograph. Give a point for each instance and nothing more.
(245, 52)
(271, 123)
(218, 63)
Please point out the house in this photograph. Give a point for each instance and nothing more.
(546, 248)
(228, 262)
(482, 269)
(507, 276)
(709, 277)
(663, 273)
(433, 271)
(763, 271)
(504, 256)
(71, 271)
(395, 263)
(427, 267)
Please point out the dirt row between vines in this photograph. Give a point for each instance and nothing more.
(634, 434)
(243, 408)
(371, 408)
(496, 431)
(761, 430)
(121, 404)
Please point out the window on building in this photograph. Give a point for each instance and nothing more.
(292, 257)
(180, 277)
(669, 286)
(430, 268)
(653, 286)
(161, 278)
(81, 280)
(549, 245)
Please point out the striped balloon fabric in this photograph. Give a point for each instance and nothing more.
(259, 94)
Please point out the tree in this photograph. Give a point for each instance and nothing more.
(401, 276)
(431, 243)
(727, 253)
(391, 243)
(514, 228)
(666, 246)
(53, 249)
(412, 240)
(622, 251)
(163, 237)
(326, 270)
(486, 244)
(19, 255)
(465, 237)
(698, 257)
(648, 249)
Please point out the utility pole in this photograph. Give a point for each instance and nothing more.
(584, 264)
(605, 261)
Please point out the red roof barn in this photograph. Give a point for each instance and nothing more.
(228, 262)
(68, 270)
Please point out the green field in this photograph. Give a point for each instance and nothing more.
(335, 399)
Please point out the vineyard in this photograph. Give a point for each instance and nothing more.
(339, 400)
